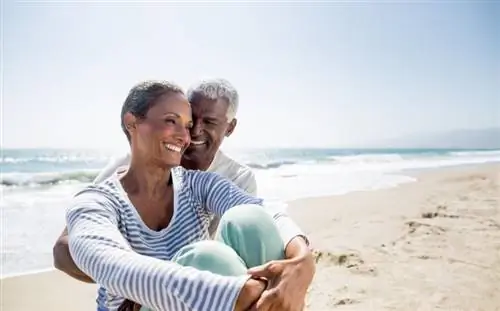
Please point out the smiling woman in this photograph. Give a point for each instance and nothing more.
(143, 234)
(160, 117)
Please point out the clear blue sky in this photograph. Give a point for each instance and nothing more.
(308, 75)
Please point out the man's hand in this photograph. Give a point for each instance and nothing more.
(288, 279)
(63, 260)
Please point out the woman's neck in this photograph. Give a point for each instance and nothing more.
(146, 178)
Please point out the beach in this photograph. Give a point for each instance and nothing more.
(429, 245)
(433, 244)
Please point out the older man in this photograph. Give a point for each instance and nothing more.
(214, 104)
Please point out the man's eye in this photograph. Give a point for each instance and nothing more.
(211, 122)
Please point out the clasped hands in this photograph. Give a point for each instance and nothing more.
(286, 282)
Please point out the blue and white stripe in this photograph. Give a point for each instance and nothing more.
(109, 242)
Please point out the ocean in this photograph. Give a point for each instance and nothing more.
(37, 184)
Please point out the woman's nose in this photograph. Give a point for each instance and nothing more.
(182, 135)
(185, 135)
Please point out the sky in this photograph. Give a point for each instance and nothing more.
(309, 75)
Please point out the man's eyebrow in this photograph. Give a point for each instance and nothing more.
(211, 117)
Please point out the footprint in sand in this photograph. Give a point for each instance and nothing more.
(421, 228)
(345, 301)
(440, 211)
(417, 229)
(351, 261)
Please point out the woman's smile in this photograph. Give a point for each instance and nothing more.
(174, 148)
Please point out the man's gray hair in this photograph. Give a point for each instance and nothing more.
(214, 89)
(143, 96)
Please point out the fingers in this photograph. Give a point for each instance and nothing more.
(268, 270)
(267, 301)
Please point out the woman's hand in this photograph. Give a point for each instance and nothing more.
(249, 294)
(289, 279)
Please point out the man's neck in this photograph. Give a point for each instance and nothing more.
(198, 165)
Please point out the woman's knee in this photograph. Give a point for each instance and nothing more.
(249, 219)
(247, 216)
(212, 256)
(251, 231)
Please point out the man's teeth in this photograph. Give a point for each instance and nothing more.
(197, 142)
(173, 147)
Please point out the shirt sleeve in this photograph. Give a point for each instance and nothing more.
(101, 251)
(111, 168)
(249, 184)
(220, 194)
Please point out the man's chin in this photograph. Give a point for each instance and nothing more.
(196, 151)
(198, 156)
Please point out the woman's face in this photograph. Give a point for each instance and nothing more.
(163, 135)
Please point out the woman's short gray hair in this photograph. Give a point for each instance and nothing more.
(143, 96)
(214, 89)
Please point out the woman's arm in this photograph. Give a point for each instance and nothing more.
(100, 251)
(220, 194)
(60, 252)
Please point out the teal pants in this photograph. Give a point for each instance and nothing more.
(246, 237)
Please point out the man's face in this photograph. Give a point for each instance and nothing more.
(210, 126)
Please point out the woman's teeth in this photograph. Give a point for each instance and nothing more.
(174, 148)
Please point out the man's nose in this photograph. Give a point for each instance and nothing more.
(197, 129)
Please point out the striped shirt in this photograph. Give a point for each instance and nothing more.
(222, 164)
(109, 242)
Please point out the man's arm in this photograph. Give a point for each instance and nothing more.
(63, 260)
(249, 183)
(111, 168)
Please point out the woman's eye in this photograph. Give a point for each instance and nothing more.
(170, 121)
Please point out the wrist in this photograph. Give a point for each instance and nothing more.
(298, 249)
(299, 253)
(250, 294)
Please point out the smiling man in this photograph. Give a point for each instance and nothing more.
(214, 104)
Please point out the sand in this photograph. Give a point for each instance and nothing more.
(429, 245)
(51, 291)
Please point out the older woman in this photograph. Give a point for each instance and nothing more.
(142, 234)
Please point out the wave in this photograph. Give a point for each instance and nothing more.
(284, 167)
(46, 179)
(368, 158)
(54, 159)
(273, 164)
(476, 153)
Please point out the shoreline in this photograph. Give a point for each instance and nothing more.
(416, 174)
